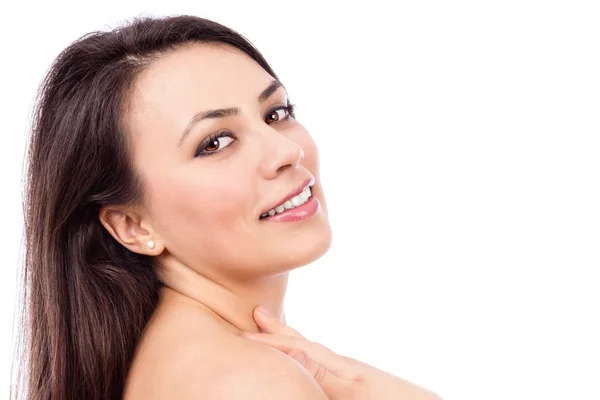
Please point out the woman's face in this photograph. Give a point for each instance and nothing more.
(205, 194)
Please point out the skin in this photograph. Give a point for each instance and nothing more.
(217, 260)
(340, 377)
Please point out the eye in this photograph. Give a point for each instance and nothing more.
(214, 143)
(280, 113)
(217, 144)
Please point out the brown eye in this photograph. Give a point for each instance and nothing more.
(213, 145)
(274, 116)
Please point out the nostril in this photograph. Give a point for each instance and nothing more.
(283, 167)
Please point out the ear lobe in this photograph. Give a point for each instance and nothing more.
(126, 227)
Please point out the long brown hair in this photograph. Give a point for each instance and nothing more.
(86, 299)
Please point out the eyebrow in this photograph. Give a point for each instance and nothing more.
(227, 112)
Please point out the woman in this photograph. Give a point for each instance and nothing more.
(170, 191)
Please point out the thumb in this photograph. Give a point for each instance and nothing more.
(331, 384)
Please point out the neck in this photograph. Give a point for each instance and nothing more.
(230, 301)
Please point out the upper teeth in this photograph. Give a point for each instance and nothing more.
(291, 203)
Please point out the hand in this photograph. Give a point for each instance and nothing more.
(340, 377)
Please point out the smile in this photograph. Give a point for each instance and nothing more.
(294, 202)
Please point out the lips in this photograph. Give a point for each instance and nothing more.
(296, 191)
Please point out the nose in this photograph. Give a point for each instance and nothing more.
(279, 153)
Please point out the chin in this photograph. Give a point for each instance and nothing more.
(304, 250)
(311, 244)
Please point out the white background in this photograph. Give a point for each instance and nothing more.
(460, 146)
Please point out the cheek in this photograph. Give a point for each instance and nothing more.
(197, 206)
(311, 152)
(311, 162)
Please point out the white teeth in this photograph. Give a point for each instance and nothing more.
(305, 195)
(291, 203)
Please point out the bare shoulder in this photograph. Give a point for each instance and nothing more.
(198, 362)
(260, 372)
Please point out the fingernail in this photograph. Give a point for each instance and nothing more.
(263, 310)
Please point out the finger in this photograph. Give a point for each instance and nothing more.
(334, 386)
(269, 324)
(282, 343)
(316, 351)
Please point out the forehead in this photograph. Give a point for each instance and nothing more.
(197, 77)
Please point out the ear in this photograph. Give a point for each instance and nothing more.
(130, 229)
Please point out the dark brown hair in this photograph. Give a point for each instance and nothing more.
(86, 299)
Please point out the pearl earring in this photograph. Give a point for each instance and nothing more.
(151, 244)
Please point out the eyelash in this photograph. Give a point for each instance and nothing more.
(289, 108)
